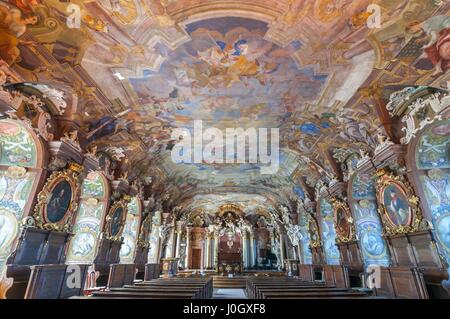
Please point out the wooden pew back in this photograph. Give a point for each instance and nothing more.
(121, 274)
(56, 281)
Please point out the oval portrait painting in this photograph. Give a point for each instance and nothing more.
(59, 203)
(116, 221)
(396, 205)
(342, 223)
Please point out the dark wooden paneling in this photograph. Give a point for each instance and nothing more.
(385, 288)
(51, 282)
(30, 247)
(306, 272)
(114, 253)
(121, 274)
(53, 252)
(424, 250)
(345, 254)
(408, 283)
(328, 274)
(401, 251)
(66, 291)
(341, 276)
(355, 254)
(103, 250)
(151, 271)
(401, 282)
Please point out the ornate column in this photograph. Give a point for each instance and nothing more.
(245, 249)
(216, 250)
(178, 232)
(252, 250)
(282, 256)
(170, 248)
(202, 256)
(208, 251)
(188, 247)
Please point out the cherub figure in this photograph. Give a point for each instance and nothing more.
(12, 27)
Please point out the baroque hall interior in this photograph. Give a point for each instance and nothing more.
(99, 100)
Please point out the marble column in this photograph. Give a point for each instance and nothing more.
(177, 249)
(252, 250)
(216, 251)
(208, 252)
(202, 255)
(245, 250)
(170, 248)
(188, 247)
(282, 256)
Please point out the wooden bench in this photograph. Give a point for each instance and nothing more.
(56, 281)
(121, 274)
(179, 288)
(151, 271)
(293, 288)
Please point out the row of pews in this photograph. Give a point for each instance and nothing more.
(294, 288)
(161, 288)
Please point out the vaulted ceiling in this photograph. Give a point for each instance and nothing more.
(317, 70)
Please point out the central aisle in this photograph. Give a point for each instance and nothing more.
(229, 293)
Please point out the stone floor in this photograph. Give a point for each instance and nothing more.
(229, 293)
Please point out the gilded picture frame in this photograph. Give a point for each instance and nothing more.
(343, 221)
(313, 229)
(397, 205)
(58, 201)
(115, 220)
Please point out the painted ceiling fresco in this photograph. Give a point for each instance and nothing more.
(317, 70)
